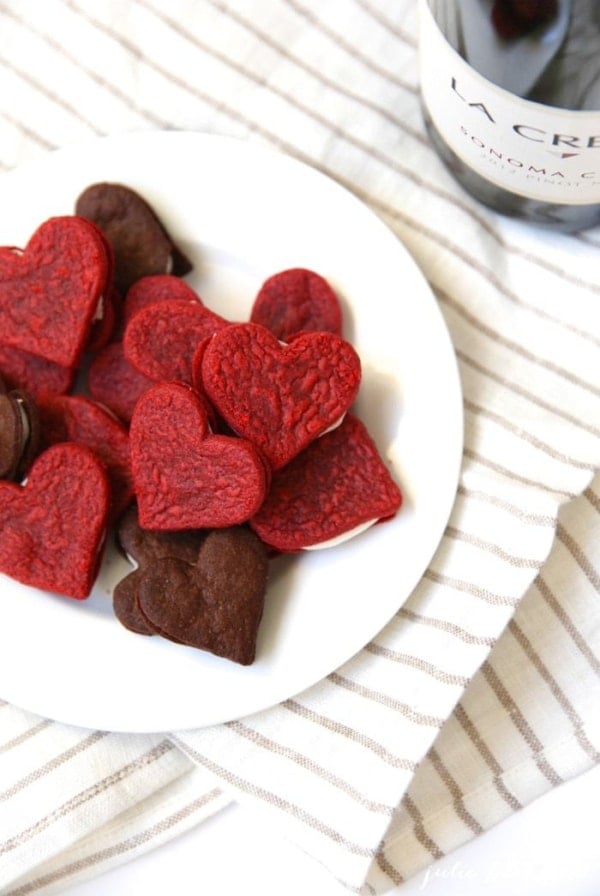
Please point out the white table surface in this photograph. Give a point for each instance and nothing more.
(550, 848)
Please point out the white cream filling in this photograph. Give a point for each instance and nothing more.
(333, 425)
(340, 539)
(99, 312)
(133, 562)
(169, 268)
(24, 423)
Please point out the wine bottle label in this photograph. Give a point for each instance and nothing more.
(536, 151)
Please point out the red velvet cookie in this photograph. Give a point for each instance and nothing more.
(157, 288)
(73, 418)
(50, 291)
(160, 340)
(297, 300)
(39, 377)
(19, 432)
(140, 242)
(185, 477)
(339, 483)
(52, 529)
(113, 382)
(279, 396)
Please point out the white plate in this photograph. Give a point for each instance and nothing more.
(243, 212)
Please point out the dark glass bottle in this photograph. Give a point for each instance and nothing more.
(512, 105)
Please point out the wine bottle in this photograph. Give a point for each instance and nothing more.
(510, 93)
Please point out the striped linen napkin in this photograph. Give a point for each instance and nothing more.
(482, 692)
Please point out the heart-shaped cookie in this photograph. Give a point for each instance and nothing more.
(334, 489)
(50, 291)
(160, 340)
(145, 548)
(113, 381)
(139, 239)
(157, 288)
(185, 477)
(19, 432)
(279, 396)
(297, 300)
(37, 376)
(74, 418)
(52, 529)
(216, 604)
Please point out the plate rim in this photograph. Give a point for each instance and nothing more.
(238, 145)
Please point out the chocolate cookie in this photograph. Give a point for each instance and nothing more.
(19, 433)
(140, 242)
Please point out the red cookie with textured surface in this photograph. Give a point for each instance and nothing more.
(157, 288)
(338, 483)
(50, 291)
(113, 382)
(160, 340)
(297, 300)
(185, 477)
(73, 418)
(38, 376)
(280, 397)
(52, 529)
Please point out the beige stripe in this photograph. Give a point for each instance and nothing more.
(476, 739)
(319, 74)
(456, 792)
(309, 765)
(417, 663)
(526, 394)
(528, 437)
(491, 548)
(567, 623)
(440, 239)
(349, 48)
(388, 869)
(557, 692)
(278, 802)
(510, 474)
(405, 36)
(49, 94)
(404, 709)
(419, 828)
(536, 519)
(25, 735)
(78, 61)
(499, 337)
(448, 627)
(27, 131)
(53, 764)
(520, 723)
(496, 600)
(592, 497)
(85, 796)
(117, 849)
(351, 734)
(579, 556)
